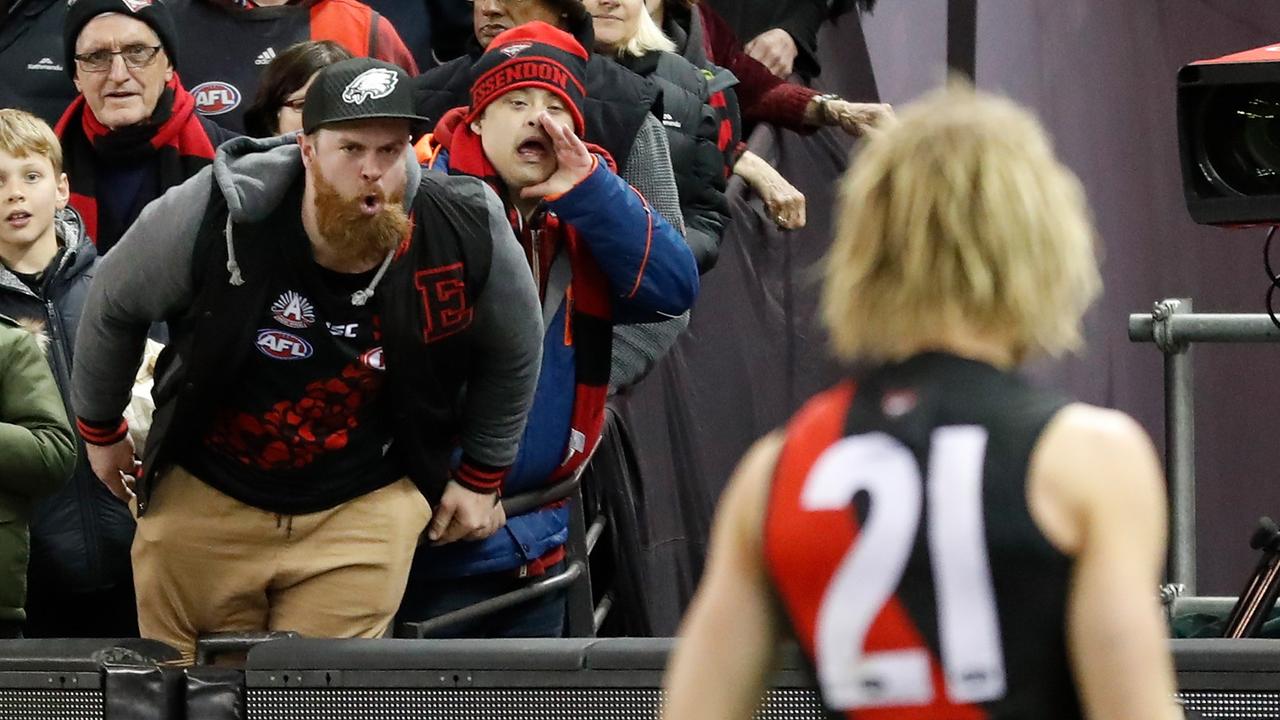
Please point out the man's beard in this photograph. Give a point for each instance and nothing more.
(353, 237)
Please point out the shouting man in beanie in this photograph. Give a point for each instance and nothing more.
(340, 320)
(132, 133)
(599, 256)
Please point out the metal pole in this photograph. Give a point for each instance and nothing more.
(1179, 437)
(580, 605)
(1188, 327)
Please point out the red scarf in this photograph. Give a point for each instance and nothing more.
(588, 323)
(173, 136)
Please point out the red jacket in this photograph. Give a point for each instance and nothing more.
(348, 23)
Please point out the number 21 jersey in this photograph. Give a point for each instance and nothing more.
(901, 548)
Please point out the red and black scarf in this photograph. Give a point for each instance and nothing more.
(588, 323)
(174, 137)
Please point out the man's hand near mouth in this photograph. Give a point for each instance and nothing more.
(573, 161)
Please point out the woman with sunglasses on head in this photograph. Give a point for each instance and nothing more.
(277, 108)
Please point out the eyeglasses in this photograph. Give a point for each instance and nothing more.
(135, 56)
(295, 104)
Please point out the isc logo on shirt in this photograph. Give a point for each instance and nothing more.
(215, 98)
(280, 345)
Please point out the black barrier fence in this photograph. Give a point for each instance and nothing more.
(86, 679)
(562, 679)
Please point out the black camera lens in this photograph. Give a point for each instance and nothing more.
(1241, 135)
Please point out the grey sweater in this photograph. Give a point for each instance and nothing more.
(149, 277)
(637, 348)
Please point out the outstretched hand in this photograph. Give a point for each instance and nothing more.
(860, 118)
(573, 160)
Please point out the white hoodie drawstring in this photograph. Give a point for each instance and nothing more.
(360, 297)
(232, 266)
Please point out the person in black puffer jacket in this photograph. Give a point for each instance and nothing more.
(624, 29)
(80, 579)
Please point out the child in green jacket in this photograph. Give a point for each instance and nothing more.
(37, 455)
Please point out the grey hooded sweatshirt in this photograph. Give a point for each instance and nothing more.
(150, 277)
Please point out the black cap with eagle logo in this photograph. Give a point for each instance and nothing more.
(358, 89)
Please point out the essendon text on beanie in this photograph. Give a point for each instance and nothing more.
(533, 69)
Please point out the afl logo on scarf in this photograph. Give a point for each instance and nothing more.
(215, 98)
(280, 345)
(293, 310)
(374, 83)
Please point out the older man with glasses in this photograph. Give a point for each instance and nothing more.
(132, 132)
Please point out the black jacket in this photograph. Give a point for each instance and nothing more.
(692, 128)
(800, 18)
(80, 537)
(685, 28)
(31, 58)
(616, 103)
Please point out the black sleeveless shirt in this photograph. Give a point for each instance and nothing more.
(903, 552)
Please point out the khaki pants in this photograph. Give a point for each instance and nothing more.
(205, 563)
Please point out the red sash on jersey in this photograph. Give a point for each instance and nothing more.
(804, 548)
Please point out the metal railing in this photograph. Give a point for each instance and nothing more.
(1173, 327)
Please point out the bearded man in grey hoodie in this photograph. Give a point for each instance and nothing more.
(340, 323)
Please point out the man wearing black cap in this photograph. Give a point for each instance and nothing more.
(341, 322)
(132, 133)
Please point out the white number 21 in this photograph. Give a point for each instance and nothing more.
(968, 628)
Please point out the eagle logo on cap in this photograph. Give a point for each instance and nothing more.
(136, 5)
(514, 49)
(374, 83)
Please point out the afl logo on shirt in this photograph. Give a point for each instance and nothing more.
(293, 310)
(280, 345)
(215, 98)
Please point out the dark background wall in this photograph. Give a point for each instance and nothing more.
(1100, 75)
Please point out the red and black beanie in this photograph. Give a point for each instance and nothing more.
(152, 12)
(531, 55)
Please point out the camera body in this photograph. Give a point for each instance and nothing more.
(1229, 137)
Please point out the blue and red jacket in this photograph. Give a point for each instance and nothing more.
(602, 257)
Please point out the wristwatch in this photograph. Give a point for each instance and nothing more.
(824, 113)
